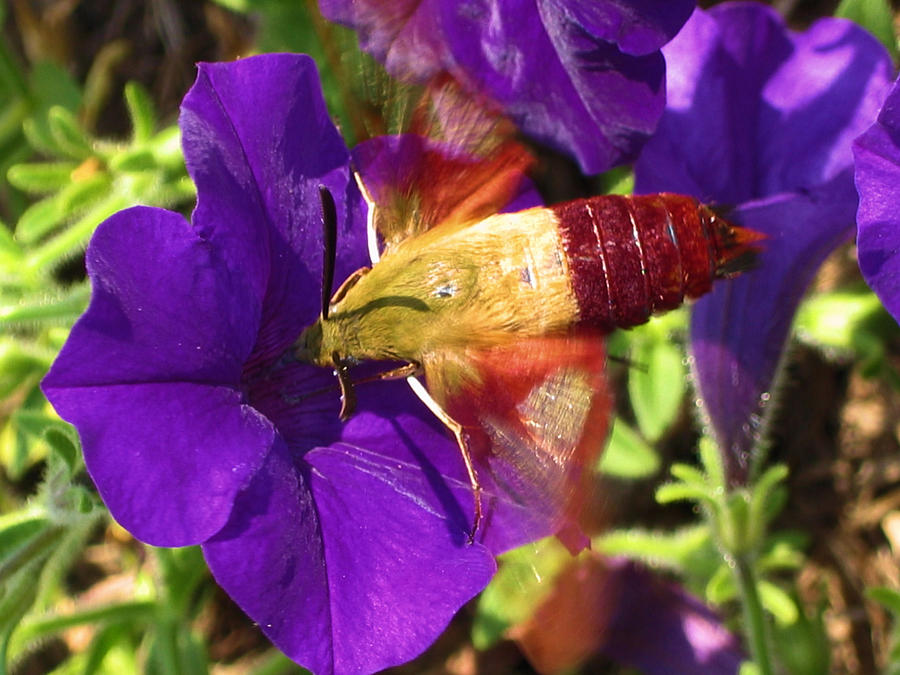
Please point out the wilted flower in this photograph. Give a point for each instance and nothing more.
(760, 120)
(586, 78)
(877, 154)
(347, 543)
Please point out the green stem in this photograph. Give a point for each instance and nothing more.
(754, 619)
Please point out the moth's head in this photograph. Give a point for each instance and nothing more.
(309, 346)
(315, 346)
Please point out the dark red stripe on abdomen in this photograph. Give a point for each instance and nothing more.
(631, 257)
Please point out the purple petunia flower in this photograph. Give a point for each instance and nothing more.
(760, 119)
(347, 543)
(621, 609)
(584, 77)
(877, 154)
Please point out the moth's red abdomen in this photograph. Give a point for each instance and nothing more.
(631, 257)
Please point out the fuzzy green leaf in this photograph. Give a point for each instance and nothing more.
(41, 177)
(135, 159)
(778, 603)
(70, 138)
(680, 492)
(141, 111)
(40, 218)
(688, 474)
(674, 550)
(627, 455)
(721, 588)
(656, 385)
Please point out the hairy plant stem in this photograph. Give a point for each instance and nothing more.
(755, 627)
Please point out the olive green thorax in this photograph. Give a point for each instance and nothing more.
(394, 311)
(448, 289)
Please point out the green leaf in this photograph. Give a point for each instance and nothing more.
(40, 218)
(276, 663)
(834, 320)
(876, 16)
(656, 385)
(70, 138)
(803, 646)
(66, 449)
(617, 181)
(134, 159)
(136, 612)
(721, 588)
(778, 603)
(627, 455)
(237, 6)
(72, 240)
(38, 135)
(183, 570)
(759, 513)
(711, 459)
(37, 308)
(10, 252)
(674, 550)
(524, 578)
(15, 533)
(166, 148)
(105, 648)
(12, 116)
(689, 474)
(52, 85)
(680, 492)
(141, 111)
(18, 596)
(79, 194)
(889, 597)
(782, 554)
(41, 177)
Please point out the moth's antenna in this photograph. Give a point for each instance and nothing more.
(329, 244)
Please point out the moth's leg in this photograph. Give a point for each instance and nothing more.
(409, 370)
(348, 395)
(457, 430)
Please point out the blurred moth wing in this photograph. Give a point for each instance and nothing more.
(535, 414)
(531, 413)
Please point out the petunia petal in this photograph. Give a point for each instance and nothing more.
(394, 424)
(755, 109)
(660, 629)
(559, 83)
(150, 377)
(365, 578)
(636, 26)
(877, 154)
(586, 78)
(761, 118)
(738, 332)
(404, 35)
(259, 142)
(622, 610)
